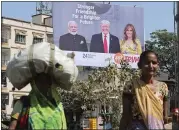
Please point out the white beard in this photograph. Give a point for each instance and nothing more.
(73, 33)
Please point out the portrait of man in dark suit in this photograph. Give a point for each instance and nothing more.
(104, 42)
(72, 41)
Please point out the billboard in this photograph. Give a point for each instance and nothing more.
(99, 34)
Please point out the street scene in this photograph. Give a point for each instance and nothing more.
(90, 65)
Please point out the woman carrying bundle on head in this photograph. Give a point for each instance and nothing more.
(42, 108)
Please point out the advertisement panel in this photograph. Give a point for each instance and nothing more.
(99, 34)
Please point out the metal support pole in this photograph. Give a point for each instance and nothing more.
(176, 30)
(175, 123)
(177, 20)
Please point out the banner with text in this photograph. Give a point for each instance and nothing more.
(98, 32)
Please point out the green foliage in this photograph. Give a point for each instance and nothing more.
(105, 86)
(164, 44)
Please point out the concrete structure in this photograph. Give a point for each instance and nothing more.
(17, 34)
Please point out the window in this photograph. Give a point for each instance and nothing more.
(4, 40)
(50, 38)
(3, 79)
(20, 37)
(37, 38)
(5, 33)
(4, 100)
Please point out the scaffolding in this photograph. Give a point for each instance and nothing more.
(44, 8)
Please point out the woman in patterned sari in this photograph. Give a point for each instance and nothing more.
(145, 98)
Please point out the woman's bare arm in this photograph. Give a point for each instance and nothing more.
(13, 125)
(165, 108)
(15, 115)
(127, 112)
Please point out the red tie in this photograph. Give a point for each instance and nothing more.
(105, 44)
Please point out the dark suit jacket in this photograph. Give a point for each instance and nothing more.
(71, 42)
(97, 44)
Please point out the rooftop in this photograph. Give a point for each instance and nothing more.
(19, 20)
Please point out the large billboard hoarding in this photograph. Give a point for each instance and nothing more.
(98, 32)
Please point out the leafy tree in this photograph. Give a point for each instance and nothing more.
(164, 44)
(104, 86)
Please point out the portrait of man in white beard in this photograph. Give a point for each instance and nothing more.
(73, 41)
(72, 27)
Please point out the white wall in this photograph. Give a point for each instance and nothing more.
(39, 19)
(48, 21)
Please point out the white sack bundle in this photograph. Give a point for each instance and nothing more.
(64, 69)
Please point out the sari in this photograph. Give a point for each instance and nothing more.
(43, 114)
(35, 111)
(149, 106)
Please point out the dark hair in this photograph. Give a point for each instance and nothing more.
(143, 56)
(133, 30)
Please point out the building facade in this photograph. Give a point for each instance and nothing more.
(18, 34)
